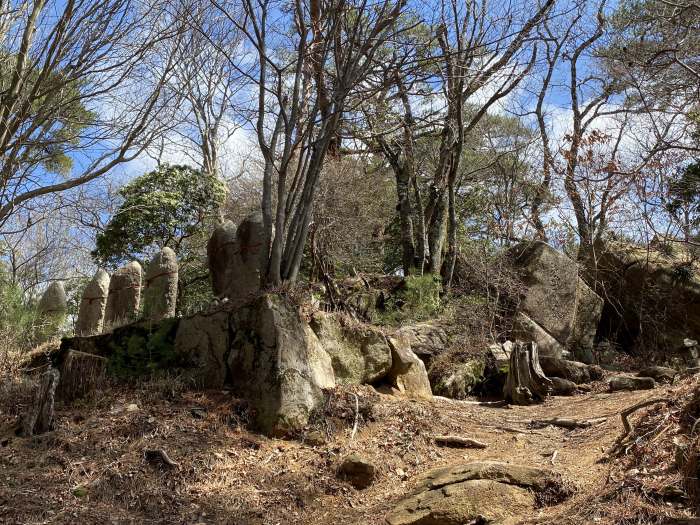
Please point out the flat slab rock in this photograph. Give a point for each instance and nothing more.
(486, 490)
(617, 383)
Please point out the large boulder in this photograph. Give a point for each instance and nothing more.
(427, 339)
(652, 295)
(525, 329)
(477, 492)
(92, 305)
(360, 353)
(269, 365)
(407, 373)
(203, 340)
(124, 297)
(236, 257)
(160, 293)
(555, 298)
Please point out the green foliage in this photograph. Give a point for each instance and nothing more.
(60, 130)
(19, 324)
(419, 299)
(137, 351)
(173, 206)
(162, 208)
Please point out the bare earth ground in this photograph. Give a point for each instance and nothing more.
(91, 469)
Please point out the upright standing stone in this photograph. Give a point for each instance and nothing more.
(91, 315)
(236, 257)
(52, 310)
(124, 296)
(160, 293)
(221, 251)
(53, 303)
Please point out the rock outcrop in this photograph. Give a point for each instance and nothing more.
(427, 339)
(478, 492)
(236, 256)
(630, 383)
(574, 371)
(555, 300)
(269, 364)
(93, 305)
(124, 297)
(407, 374)
(652, 295)
(160, 286)
(360, 354)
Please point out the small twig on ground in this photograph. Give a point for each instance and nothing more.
(554, 457)
(357, 417)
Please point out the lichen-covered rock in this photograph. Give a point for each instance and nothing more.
(525, 329)
(427, 340)
(320, 362)
(660, 374)
(92, 305)
(52, 310)
(360, 353)
(457, 379)
(203, 340)
(630, 383)
(53, 301)
(555, 298)
(407, 373)
(574, 371)
(124, 297)
(236, 257)
(269, 365)
(221, 257)
(478, 492)
(160, 287)
(589, 307)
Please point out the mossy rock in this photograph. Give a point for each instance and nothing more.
(458, 380)
(131, 351)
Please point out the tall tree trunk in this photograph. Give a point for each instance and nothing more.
(406, 220)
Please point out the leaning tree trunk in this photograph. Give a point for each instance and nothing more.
(526, 382)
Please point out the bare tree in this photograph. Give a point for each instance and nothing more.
(311, 55)
(81, 84)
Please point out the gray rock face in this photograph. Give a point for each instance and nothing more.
(92, 306)
(269, 365)
(236, 257)
(407, 373)
(53, 302)
(359, 353)
(556, 299)
(204, 340)
(124, 296)
(525, 329)
(631, 383)
(478, 492)
(320, 362)
(661, 374)
(160, 293)
(574, 371)
(427, 340)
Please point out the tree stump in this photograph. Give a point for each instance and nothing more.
(39, 417)
(526, 382)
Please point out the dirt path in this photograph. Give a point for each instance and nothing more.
(92, 470)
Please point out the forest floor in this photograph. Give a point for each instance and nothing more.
(91, 468)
